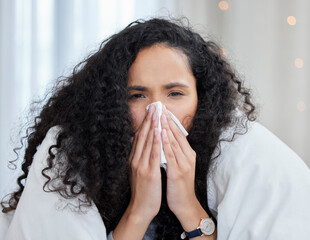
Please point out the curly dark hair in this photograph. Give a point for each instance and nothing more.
(91, 108)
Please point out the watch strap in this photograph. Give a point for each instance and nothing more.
(195, 233)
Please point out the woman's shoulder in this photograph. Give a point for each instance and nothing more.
(257, 157)
(255, 184)
(41, 205)
(260, 152)
(256, 146)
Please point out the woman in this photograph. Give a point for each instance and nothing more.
(92, 162)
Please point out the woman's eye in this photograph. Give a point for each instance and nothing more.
(135, 96)
(176, 94)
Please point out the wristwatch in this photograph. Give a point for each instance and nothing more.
(206, 227)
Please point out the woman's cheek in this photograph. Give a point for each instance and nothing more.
(188, 122)
(137, 115)
(185, 117)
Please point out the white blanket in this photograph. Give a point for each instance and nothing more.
(258, 189)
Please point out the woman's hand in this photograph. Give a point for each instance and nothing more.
(145, 181)
(181, 162)
(145, 168)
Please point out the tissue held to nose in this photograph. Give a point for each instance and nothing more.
(159, 110)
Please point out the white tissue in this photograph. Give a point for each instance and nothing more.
(159, 110)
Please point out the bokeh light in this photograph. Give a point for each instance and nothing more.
(299, 63)
(223, 5)
(291, 20)
(301, 106)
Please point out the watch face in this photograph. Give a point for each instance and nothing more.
(207, 226)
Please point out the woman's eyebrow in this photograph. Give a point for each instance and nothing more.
(137, 87)
(175, 84)
(167, 86)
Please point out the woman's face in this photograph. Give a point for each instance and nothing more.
(161, 73)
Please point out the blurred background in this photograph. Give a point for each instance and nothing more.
(266, 41)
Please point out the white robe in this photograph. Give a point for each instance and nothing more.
(258, 189)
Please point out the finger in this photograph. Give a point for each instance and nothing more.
(174, 145)
(156, 153)
(178, 134)
(146, 154)
(170, 157)
(142, 133)
(132, 149)
(181, 159)
(172, 139)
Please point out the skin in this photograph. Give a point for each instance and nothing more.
(161, 73)
(166, 77)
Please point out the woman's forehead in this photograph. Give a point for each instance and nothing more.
(161, 65)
